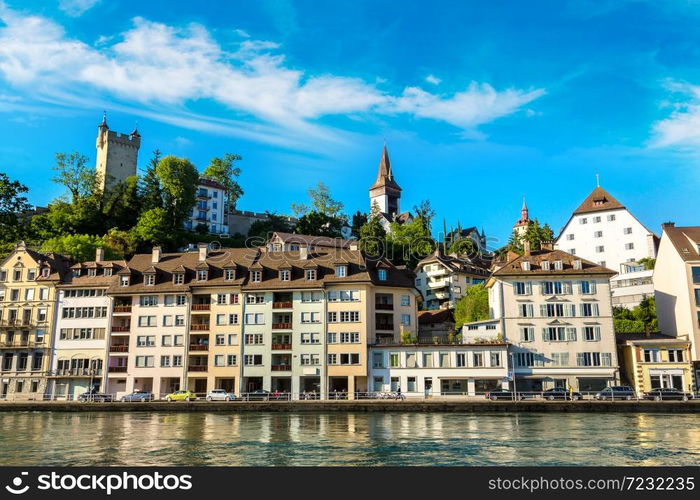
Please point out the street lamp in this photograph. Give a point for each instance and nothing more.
(515, 387)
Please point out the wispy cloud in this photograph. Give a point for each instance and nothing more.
(433, 79)
(682, 127)
(76, 8)
(163, 69)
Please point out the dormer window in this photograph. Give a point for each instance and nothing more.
(229, 274)
(285, 275)
(31, 274)
(92, 273)
(124, 281)
(578, 265)
(76, 273)
(558, 265)
(310, 275)
(341, 271)
(45, 272)
(382, 274)
(202, 275)
(256, 276)
(526, 266)
(108, 272)
(178, 278)
(150, 279)
(545, 265)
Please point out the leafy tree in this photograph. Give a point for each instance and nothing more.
(359, 219)
(122, 242)
(224, 171)
(152, 228)
(321, 202)
(150, 191)
(641, 318)
(12, 204)
(319, 224)
(409, 242)
(628, 326)
(263, 228)
(462, 246)
(372, 233)
(122, 204)
(473, 306)
(73, 173)
(425, 213)
(79, 246)
(178, 178)
(84, 216)
(201, 229)
(648, 262)
(535, 235)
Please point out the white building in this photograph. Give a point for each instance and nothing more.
(555, 312)
(385, 193)
(210, 208)
(677, 284)
(603, 231)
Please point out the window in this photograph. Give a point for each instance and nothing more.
(219, 360)
(285, 275)
(545, 265)
(166, 340)
(588, 309)
(583, 220)
(255, 298)
(256, 276)
(254, 319)
(394, 360)
(588, 287)
(495, 359)
(310, 274)
(231, 360)
(526, 310)
(311, 317)
(310, 338)
(167, 320)
(406, 319)
(570, 237)
(596, 219)
(527, 334)
(233, 319)
(556, 287)
(253, 360)
(310, 359)
(560, 358)
(418, 282)
(427, 360)
(526, 266)
(43, 293)
(332, 317)
(310, 297)
(591, 333)
(695, 272)
(229, 274)
(232, 339)
(627, 230)
(148, 300)
(411, 384)
(220, 339)
(522, 288)
(554, 334)
(600, 249)
(381, 274)
(629, 246)
(146, 341)
(181, 300)
(144, 361)
(349, 316)
(17, 275)
(341, 271)
(177, 360)
(652, 356)
(405, 300)
(527, 359)
(348, 338)
(254, 338)
(150, 279)
(29, 294)
(675, 355)
(611, 217)
(165, 361)
(124, 281)
(593, 359)
(179, 320)
(147, 321)
(202, 275)
(220, 319)
(333, 338)
(444, 359)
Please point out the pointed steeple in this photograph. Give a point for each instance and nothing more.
(103, 124)
(524, 212)
(385, 176)
(524, 221)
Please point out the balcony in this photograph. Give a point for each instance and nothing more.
(281, 347)
(122, 309)
(22, 344)
(282, 305)
(121, 329)
(197, 368)
(199, 347)
(119, 348)
(282, 326)
(117, 369)
(282, 368)
(77, 372)
(384, 307)
(199, 327)
(384, 326)
(201, 307)
(203, 196)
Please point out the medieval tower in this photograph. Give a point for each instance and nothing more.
(116, 155)
(385, 191)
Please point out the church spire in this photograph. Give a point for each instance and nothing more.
(385, 191)
(103, 124)
(524, 212)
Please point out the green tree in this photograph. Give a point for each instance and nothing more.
(150, 191)
(535, 235)
(122, 242)
(12, 204)
(319, 224)
(372, 233)
(473, 306)
(178, 178)
(648, 262)
(409, 242)
(359, 219)
(152, 229)
(73, 173)
(264, 228)
(79, 246)
(321, 202)
(122, 204)
(425, 213)
(224, 171)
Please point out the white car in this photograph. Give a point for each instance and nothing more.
(220, 395)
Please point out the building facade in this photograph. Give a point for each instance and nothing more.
(28, 282)
(117, 155)
(677, 284)
(554, 309)
(210, 210)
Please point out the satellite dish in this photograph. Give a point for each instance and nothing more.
(346, 232)
(214, 245)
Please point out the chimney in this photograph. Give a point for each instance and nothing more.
(354, 245)
(99, 254)
(155, 255)
(303, 253)
(547, 245)
(526, 247)
(668, 224)
(203, 248)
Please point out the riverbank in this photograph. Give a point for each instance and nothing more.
(363, 406)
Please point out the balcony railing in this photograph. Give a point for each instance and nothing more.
(384, 326)
(282, 305)
(116, 328)
(117, 369)
(282, 368)
(119, 348)
(282, 326)
(197, 368)
(201, 307)
(77, 372)
(23, 344)
(122, 309)
(384, 307)
(199, 327)
(199, 347)
(281, 347)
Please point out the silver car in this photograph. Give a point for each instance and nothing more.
(220, 395)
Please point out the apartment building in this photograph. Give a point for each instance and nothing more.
(677, 284)
(81, 339)
(555, 310)
(444, 279)
(210, 209)
(28, 282)
(604, 231)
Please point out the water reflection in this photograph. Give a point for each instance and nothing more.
(348, 439)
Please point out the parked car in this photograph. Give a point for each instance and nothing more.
(617, 392)
(93, 395)
(667, 394)
(257, 395)
(221, 395)
(497, 394)
(140, 396)
(561, 393)
(183, 395)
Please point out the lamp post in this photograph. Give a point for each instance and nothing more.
(515, 387)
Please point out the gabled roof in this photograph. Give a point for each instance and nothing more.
(514, 266)
(686, 241)
(598, 201)
(309, 240)
(436, 317)
(457, 264)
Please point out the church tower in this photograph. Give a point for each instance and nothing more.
(385, 191)
(117, 155)
(524, 222)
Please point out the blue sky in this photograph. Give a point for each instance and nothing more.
(480, 103)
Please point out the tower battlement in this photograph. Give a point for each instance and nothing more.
(117, 155)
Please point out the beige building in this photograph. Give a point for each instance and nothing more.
(28, 283)
(117, 155)
(677, 284)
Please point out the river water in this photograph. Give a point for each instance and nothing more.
(364, 439)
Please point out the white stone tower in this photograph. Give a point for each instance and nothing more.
(117, 155)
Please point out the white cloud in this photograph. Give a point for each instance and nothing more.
(682, 126)
(161, 69)
(433, 79)
(76, 8)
